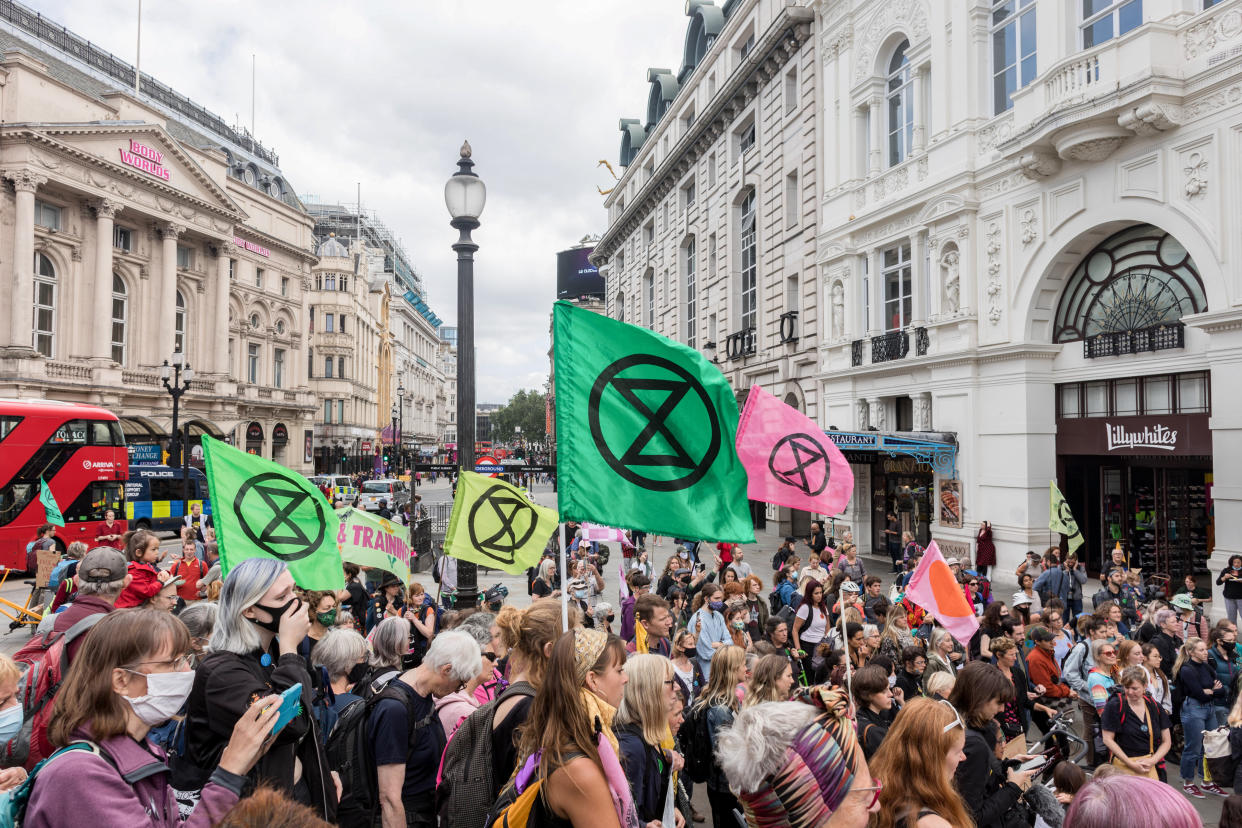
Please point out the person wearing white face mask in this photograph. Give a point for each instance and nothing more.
(253, 651)
(133, 674)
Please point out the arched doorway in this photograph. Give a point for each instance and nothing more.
(1133, 441)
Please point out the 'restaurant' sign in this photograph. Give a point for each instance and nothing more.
(141, 157)
(1166, 434)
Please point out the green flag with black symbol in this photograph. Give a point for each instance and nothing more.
(494, 524)
(646, 430)
(263, 510)
(1061, 520)
(50, 509)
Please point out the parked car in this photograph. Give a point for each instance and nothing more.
(395, 492)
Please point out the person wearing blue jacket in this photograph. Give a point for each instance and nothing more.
(707, 625)
(1064, 582)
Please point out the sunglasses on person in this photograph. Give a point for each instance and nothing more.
(957, 719)
(974, 583)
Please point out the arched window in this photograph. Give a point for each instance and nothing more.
(280, 327)
(179, 326)
(900, 105)
(45, 306)
(1130, 292)
(120, 316)
(692, 322)
(749, 260)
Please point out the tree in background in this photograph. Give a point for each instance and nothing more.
(526, 409)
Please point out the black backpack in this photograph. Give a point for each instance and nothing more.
(468, 789)
(696, 744)
(351, 753)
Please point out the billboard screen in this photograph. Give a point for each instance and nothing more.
(576, 276)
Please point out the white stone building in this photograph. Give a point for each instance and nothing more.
(1030, 273)
(711, 228)
(138, 226)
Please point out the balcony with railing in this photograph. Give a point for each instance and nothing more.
(740, 344)
(889, 347)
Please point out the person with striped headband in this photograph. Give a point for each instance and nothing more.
(798, 764)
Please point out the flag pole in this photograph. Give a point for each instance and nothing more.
(564, 582)
(849, 673)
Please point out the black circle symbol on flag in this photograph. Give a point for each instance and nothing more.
(518, 521)
(278, 509)
(679, 385)
(801, 461)
(1067, 520)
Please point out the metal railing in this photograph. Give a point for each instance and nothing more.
(740, 344)
(789, 326)
(890, 346)
(856, 353)
(1116, 343)
(921, 342)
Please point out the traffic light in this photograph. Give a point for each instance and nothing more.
(385, 458)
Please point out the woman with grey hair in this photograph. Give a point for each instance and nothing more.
(455, 707)
(200, 619)
(389, 641)
(603, 616)
(342, 656)
(253, 653)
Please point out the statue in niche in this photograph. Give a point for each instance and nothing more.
(951, 262)
(838, 310)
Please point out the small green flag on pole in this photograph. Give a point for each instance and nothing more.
(1061, 520)
(646, 430)
(263, 510)
(50, 508)
(494, 524)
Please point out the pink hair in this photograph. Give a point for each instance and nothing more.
(1133, 801)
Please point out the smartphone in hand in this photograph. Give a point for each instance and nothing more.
(290, 707)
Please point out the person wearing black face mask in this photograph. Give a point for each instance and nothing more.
(340, 658)
(253, 653)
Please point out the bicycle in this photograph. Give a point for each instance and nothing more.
(1055, 743)
(28, 614)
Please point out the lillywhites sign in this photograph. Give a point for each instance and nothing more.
(141, 157)
(1149, 437)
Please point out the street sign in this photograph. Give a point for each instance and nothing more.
(144, 454)
(488, 465)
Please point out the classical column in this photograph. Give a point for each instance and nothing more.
(101, 334)
(876, 272)
(876, 123)
(922, 411)
(918, 279)
(876, 415)
(220, 313)
(20, 321)
(301, 338)
(167, 309)
(920, 110)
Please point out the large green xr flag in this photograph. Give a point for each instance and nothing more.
(645, 432)
(263, 510)
(1061, 520)
(494, 524)
(50, 509)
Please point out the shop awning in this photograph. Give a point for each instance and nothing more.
(936, 448)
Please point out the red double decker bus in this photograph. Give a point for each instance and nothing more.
(79, 450)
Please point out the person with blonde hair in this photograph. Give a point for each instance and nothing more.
(896, 636)
(918, 783)
(1135, 729)
(770, 681)
(1199, 687)
(940, 685)
(643, 735)
(719, 703)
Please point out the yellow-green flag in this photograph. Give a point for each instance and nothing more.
(1061, 520)
(495, 525)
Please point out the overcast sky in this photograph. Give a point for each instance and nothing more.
(383, 94)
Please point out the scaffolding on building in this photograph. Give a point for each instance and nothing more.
(348, 222)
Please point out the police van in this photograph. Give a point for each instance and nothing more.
(343, 488)
(153, 497)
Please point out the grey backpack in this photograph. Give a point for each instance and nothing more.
(467, 788)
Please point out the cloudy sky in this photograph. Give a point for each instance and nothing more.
(383, 94)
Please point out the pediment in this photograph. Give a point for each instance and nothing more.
(145, 155)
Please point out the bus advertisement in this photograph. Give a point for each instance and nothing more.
(79, 450)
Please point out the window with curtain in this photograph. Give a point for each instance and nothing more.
(900, 99)
(120, 315)
(897, 288)
(179, 325)
(252, 364)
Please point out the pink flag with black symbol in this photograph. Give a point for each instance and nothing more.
(788, 458)
(595, 532)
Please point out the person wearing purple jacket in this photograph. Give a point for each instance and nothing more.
(134, 673)
(639, 585)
